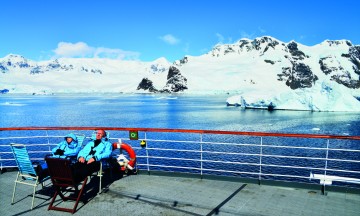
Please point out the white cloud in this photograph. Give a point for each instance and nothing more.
(261, 30)
(170, 39)
(187, 48)
(247, 35)
(252, 36)
(302, 37)
(103, 52)
(220, 38)
(81, 49)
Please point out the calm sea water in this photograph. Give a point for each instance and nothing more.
(187, 112)
(164, 111)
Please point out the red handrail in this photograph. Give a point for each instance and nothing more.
(322, 136)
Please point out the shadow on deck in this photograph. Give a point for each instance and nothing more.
(175, 195)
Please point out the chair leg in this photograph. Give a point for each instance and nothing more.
(32, 203)
(77, 199)
(53, 199)
(79, 195)
(43, 184)
(13, 196)
(111, 171)
(100, 174)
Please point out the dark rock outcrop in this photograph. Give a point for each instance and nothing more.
(4, 91)
(298, 76)
(176, 82)
(354, 53)
(20, 61)
(338, 42)
(262, 45)
(3, 68)
(147, 85)
(346, 80)
(91, 70)
(36, 70)
(327, 69)
(269, 61)
(53, 65)
(295, 52)
(184, 60)
(338, 73)
(269, 43)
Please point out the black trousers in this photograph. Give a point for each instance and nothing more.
(42, 171)
(82, 170)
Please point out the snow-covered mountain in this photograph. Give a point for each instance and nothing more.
(254, 72)
(75, 75)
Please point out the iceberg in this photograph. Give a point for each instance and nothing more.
(325, 96)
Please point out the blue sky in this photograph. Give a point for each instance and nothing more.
(148, 29)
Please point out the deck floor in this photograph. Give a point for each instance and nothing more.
(165, 195)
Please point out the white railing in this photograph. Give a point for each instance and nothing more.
(317, 159)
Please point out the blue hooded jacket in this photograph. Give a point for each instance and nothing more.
(70, 150)
(102, 150)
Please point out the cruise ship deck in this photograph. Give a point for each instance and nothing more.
(174, 194)
(198, 172)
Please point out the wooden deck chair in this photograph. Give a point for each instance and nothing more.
(26, 174)
(64, 180)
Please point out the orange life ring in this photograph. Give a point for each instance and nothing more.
(131, 163)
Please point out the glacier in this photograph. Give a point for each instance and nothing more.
(257, 73)
(323, 97)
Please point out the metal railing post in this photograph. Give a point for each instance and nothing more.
(147, 155)
(261, 151)
(48, 140)
(201, 156)
(326, 162)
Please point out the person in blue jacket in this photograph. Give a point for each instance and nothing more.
(69, 147)
(88, 159)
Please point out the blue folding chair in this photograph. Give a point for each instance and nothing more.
(104, 163)
(80, 138)
(93, 135)
(26, 174)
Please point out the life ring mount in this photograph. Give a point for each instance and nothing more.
(125, 164)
